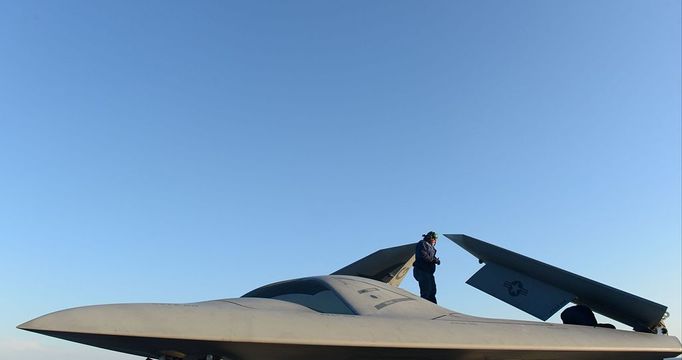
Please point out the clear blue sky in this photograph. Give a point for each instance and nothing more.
(174, 151)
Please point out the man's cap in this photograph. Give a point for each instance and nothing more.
(431, 234)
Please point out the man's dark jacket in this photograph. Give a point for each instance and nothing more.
(425, 257)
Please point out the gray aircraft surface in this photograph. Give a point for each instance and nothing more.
(358, 312)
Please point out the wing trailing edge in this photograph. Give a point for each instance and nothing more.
(541, 289)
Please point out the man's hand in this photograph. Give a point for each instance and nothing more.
(437, 261)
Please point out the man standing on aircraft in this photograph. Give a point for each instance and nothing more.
(425, 266)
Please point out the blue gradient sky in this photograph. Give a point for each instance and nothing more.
(171, 151)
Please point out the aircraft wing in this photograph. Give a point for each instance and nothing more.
(388, 265)
(541, 289)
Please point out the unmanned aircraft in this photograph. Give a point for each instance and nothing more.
(359, 313)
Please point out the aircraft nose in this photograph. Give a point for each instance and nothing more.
(134, 319)
(95, 324)
(29, 325)
(45, 322)
(64, 320)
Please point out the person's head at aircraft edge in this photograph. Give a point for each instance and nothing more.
(431, 237)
